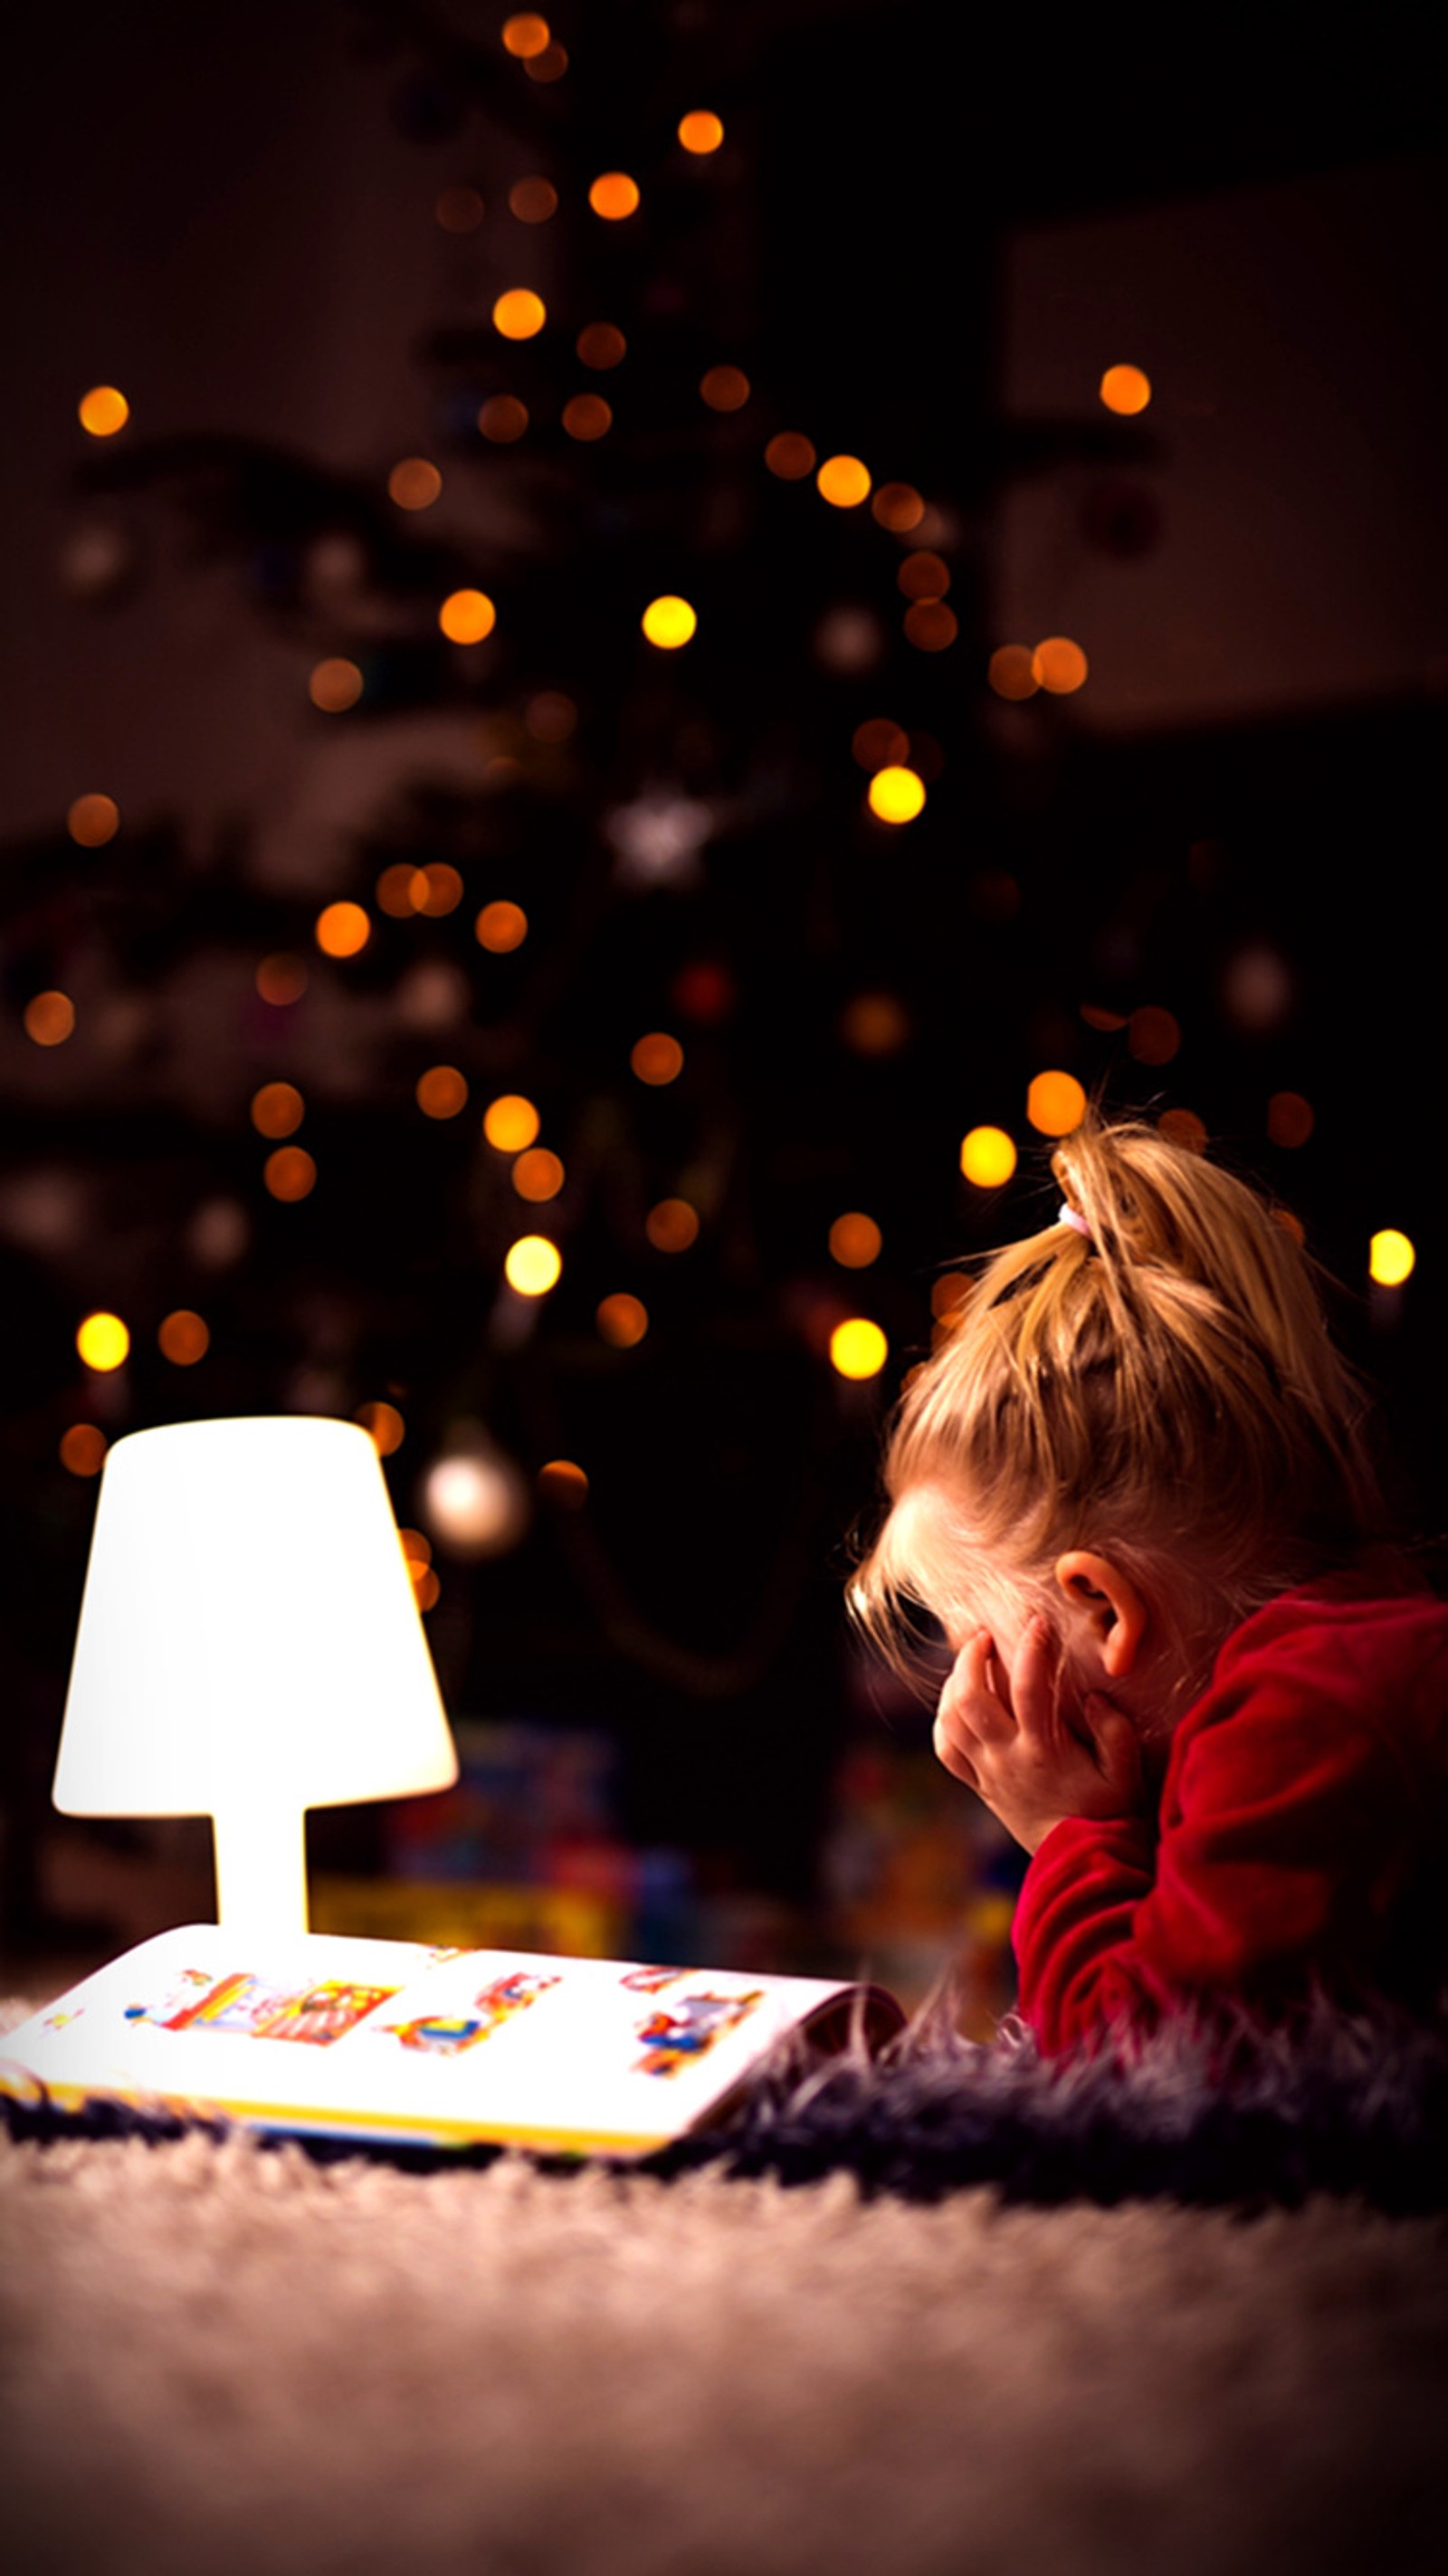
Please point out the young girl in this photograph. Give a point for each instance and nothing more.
(1132, 1488)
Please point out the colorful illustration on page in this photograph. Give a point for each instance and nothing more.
(679, 2033)
(186, 1987)
(244, 2004)
(651, 1981)
(448, 2034)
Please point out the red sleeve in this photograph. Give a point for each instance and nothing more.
(1287, 1828)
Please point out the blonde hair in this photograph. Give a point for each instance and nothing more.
(1153, 1374)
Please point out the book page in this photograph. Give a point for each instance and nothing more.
(389, 2039)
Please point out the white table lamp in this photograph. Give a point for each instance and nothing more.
(249, 1646)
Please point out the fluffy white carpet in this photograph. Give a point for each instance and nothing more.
(224, 2359)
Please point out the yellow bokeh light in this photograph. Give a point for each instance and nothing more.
(1059, 666)
(501, 927)
(622, 1320)
(526, 35)
(335, 685)
(987, 1157)
(896, 794)
(502, 418)
(1055, 1104)
(281, 979)
(669, 622)
(614, 195)
(1011, 671)
(600, 344)
(519, 314)
(1125, 389)
(49, 1018)
(672, 1225)
(538, 1175)
(103, 411)
(701, 130)
(83, 1449)
(898, 507)
(414, 483)
(466, 616)
(384, 1426)
(103, 1342)
(277, 1109)
(586, 417)
(184, 1337)
(290, 1174)
(855, 1240)
(93, 820)
(725, 388)
(790, 456)
(657, 1058)
(844, 481)
(510, 1122)
(342, 930)
(459, 210)
(858, 1348)
(532, 200)
(533, 1265)
(442, 1091)
(1392, 1258)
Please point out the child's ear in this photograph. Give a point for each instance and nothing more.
(1102, 1594)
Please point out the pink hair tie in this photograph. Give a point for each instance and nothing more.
(1066, 1215)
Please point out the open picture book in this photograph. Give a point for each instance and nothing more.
(395, 2044)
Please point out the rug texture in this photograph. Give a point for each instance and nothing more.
(220, 2357)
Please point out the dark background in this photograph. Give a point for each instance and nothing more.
(922, 243)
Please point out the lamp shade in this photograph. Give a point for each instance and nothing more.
(249, 1641)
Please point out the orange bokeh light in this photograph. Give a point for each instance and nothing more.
(459, 210)
(1055, 1104)
(844, 481)
(184, 1337)
(622, 1320)
(527, 34)
(93, 820)
(538, 1174)
(672, 1225)
(501, 927)
(587, 416)
(49, 1018)
(519, 314)
(924, 575)
(790, 456)
(1125, 389)
(83, 1449)
(290, 1173)
(277, 1109)
(657, 1058)
(281, 979)
(103, 411)
(510, 1122)
(343, 930)
(335, 685)
(414, 483)
(1059, 665)
(502, 418)
(384, 1426)
(855, 1240)
(1290, 1119)
(1011, 671)
(725, 388)
(442, 1091)
(701, 130)
(930, 626)
(898, 507)
(600, 344)
(879, 743)
(466, 616)
(614, 196)
(532, 200)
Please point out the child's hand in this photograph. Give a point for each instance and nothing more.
(1009, 1741)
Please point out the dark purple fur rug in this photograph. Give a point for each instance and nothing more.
(1351, 2105)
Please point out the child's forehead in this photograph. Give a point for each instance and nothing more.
(931, 1547)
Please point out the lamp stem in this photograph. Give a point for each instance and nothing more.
(261, 1869)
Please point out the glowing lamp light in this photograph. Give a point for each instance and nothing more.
(466, 616)
(249, 1647)
(519, 314)
(103, 411)
(1125, 389)
(987, 1157)
(92, 821)
(844, 482)
(1055, 1104)
(858, 1348)
(700, 131)
(1392, 1258)
(533, 1265)
(614, 196)
(510, 1122)
(669, 622)
(103, 1342)
(896, 795)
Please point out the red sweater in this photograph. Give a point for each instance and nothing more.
(1301, 1842)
